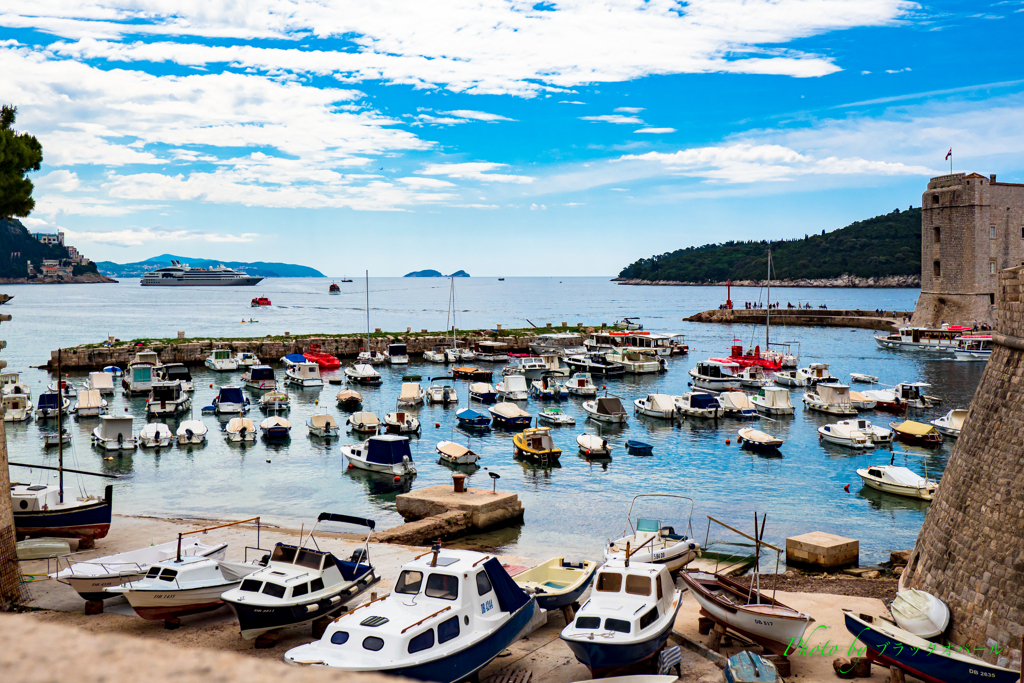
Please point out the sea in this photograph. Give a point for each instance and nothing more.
(572, 509)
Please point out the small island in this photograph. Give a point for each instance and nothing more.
(435, 273)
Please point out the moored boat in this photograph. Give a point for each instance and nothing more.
(754, 439)
(230, 401)
(737, 404)
(606, 409)
(832, 399)
(508, 415)
(387, 453)
(442, 391)
(349, 399)
(716, 375)
(698, 404)
(49, 404)
(221, 360)
(581, 384)
(90, 403)
(555, 416)
(471, 419)
(592, 445)
(951, 423)
(323, 425)
(655, 405)
(260, 378)
(974, 347)
(639, 448)
(401, 422)
(773, 401)
(648, 540)
(899, 481)
(17, 408)
(275, 427)
(513, 387)
(397, 354)
(916, 433)
(364, 422)
(156, 435)
(455, 453)
(275, 401)
(483, 392)
(240, 430)
(536, 445)
(114, 433)
(102, 382)
(167, 399)
(191, 432)
(325, 360)
(306, 375)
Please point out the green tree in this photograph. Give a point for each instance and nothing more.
(19, 154)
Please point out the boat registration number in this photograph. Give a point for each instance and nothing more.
(486, 606)
(984, 674)
(659, 555)
(760, 622)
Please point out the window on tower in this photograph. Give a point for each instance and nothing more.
(937, 269)
(936, 235)
(992, 231)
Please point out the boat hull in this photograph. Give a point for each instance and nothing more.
(155, 605)
(598, 656)
(90, 521)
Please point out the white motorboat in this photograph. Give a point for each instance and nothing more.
(245, 359)
(138, 378)
(66, 387)
(301, 584)
(508, 415)
(629, 324)
(323, 425)
(177, 372)
(628, 618)
(290, 359)
(456, 454)
(483, 392)
(920, 613)
(49, 404)
(716, 375)
(833, 399)
(595, 365)
(754, 376)
(167, 399)
(861, 402)
(371, 358)
(191, 432)
(636, 362)
(364, 422)
(845, 433)
(401, 422)
(951, 423)
(12, 385)
(397, 354)
(816, 373)
(737, 404)
(260, 378)
(773, 401)
(790, 378)
(874, 432)
(593, 445)
(451, 613)
(91, 577)
(513, 388)
(655, 405)
(230, 401)
(17, 408)
(581, 384)
(56, 438)
(606, 409)
(102, 382)
(861, 378)
(387, 453)
(306, 374)
(363, 373)
(275, 401)
(530, 367)
(974, 347)
(90, 403)
(904, 394)
(221, 360)
(938, 341)
(435, 355)
(699, 404)
(276, 427)
(411, 394)
(114, 433)
(555, 416)
(156, 435)
(755, 439)
(442, 390)
(651, 541)
(898, 480)
(240, 430)
(548, 389)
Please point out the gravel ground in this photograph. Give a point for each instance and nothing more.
(837, 584)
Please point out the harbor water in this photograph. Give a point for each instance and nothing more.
(571, 509)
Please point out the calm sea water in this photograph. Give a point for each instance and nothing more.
(571, 509)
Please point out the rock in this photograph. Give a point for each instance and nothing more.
(900, 557)
(871, 575)
(898, 572)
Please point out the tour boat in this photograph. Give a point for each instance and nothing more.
(274, 401)
(471, 419)
(593, 445)
(64, 386)
(49, 404)
(757, 440)
(17, 408)
(923, 339)
(90, 578)
(230, 401)
(861, 378)
(917, 433)
(363, 373)
(301, 584)
(773, 401)
(513, 388)
(221, 360)
(456, 454)
(974, 347)
(90, 403)
(156, 435)
(114, 433)
(951, 423)
(595, 365)
(323, 425)
(606, 409)
(305, 375)
(649, 540)
(628, 618)
(349, 399)
(191, 432)
(639, 448)
(832, 399)
(698, 404)
(167, 398)
(102, 382)
(397, 354)
(275, 427)
(715, 375)
(861, 402)
(246, 359)
(442, 391)
(451, 613)
(555, 416)
(547, 389)
(240, 430)
(388, 454)
(581, 384)
(655, 405)
(258, 301)
(334, 288)
(179, 274)
(920, 613)
(898, 480)
(401, 422)
(321, 358)
(483, 392)
(536, 445)
(737, 404)
(177, 372)
(12, 384)
(364, 422)
(260, 378)
(556, 583)
(508, 415)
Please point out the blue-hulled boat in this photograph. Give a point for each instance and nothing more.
(470, 419)
(642, 448)
(509, 416)
(38, 512)
(890, 645)
(483, 392)
(450, 614)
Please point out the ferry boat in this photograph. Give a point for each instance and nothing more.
(923, 339)
(974, 347)
(182, 275)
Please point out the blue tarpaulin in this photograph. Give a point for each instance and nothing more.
(388, 450)
(703, 401)
(510, 596)
(230, 395)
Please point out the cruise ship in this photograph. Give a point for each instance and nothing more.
(181, 275)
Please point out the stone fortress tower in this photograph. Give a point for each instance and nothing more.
(970, 551)
(971, 228)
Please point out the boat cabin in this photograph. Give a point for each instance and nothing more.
(146, 358)
(397, 350)
(388, 449)
(922, 335)
(11, 383)
(609, 405)
(818, 371)
(911, 391)
(165, 392)
(834, 394)
(651, 342)
(305, 371)
(140, 377)
(538, 439)
(515, 383)
(605, 341)
(262, 373)
(232, 395)
(176, 372)
(702, 401)
(775, 397)
(116, 428)
(49, 402)
(712, 369)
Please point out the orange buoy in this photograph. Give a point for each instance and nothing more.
(847, 488)
(211, 385)
(727, 442)
(437, 425)
(397, 478)
(350, 465)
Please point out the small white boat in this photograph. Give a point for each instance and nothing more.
(102, 382)
(861, 402)
(221, 360)
(56, 438)
(191, 432)
(412, 394)
(349, 399)
(177, 372)
(861, 378)
(276, 427)
(790, 378)
(364, 422)
(275, 401)
(757, 440)
(845, 433)
(509, 415)
(581, 384)
(387, 453)
(593, 445)
(629, 324)
(167, 399)
(306, 375)
(435, 355)
(397, 354)
(17, 408)
(456, 454)
(323, 425)
(370, 358)
(651, 541)
(401, 422)
(899, 481)
(548, 389)
(442, 391)
(49, 404)
(655, 405)
(260, 378)
(240, 430)
(66, 387)
(773, 401)
(951, 423)
(816, 373)
(974, 347)
(114, 433)
(12, 384)
(513, 388)
(156, 435)
(874, 432)
(699, 404)
(230, 401)
(606, 409)
(90, 403)
(244, 359)
(754, 376)
(832, 399)
(555, 416)
(920, 613)
(716, 375)
(737, 404)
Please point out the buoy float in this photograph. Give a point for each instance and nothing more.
(350, 465)
(211, 385)
(268, 459)
(437, 425)
(397, 478)
(847, 488)
(727, 442)
(126, 409)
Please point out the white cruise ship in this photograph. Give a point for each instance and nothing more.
(181, 275)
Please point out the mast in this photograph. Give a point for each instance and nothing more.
(368, 313)
(768, 311)
(60, 433)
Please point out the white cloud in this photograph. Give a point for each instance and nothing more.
(61, 180)
(52, 205)
(655, 130)
(137, 237)
(629, 110)
(614, 118)
(569, 102)
(476, 115)
(897, 71)
(425, 182)
(476, 170)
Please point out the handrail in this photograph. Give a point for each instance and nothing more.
(219, 526)
(445, 609)
(365, 604)
(485, 557)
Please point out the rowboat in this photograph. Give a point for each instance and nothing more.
(758, 440)
(917, 433)
(556, 583)
(638, 448)
(920, 613)
(592, 445)
(323, 425)
(349, 399)
(456, 454)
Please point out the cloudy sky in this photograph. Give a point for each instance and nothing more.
(501, 137)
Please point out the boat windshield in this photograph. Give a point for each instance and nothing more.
(283, 554)
(609, 582)
(409, 582)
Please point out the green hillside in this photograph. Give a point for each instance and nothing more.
(876, 247)
(18, 246)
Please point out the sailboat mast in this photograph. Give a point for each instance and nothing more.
(60, 434)
(368, 311)
(768, 311)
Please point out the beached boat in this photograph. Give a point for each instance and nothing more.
(861, 378)
(387, 453)
(606, 409)
(42, 510)
(401, 422)
(260, 378)
(655, 405)
(191, 432)
(899, 481)
(301, 584)
(42, 548)
(920, 613)
(513, 388)
(648, 540)
(49, 404)
(832, 399)
(547, 389)
(916, 433)
(275, 401)
(325, 360)
(349, 399)
(275, 428)
(323, 425)
(167, 399)
(757, 440)
(307, 375)
(483, 392)
(715, 375)
(556, 583)
(102, 382)
(974, 347)
(628, 618)
(114, 433)
(240, 430)
(536, 445)
(581, 384)
(595, 365)
(749, 667)
(737, 404)
(555, 416)
(772, 401)
(455, 453)
(221, 360)
(698, 404)
(90, 403)
(471, 419)
(364, 422)
(17, 408)
(592, 445)
(230, 401)
(509, 416)
(951, 423)
(451, 613)
(442, 391)
(397, 354)
(156, 435)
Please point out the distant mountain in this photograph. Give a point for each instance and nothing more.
(258, 268)
(434, 273)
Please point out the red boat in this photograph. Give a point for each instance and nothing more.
(747, 359)
(324, 360)
(260, 301)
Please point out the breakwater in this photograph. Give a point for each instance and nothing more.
(812, 317)
(843, 281)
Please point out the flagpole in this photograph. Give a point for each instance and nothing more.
(951, 162)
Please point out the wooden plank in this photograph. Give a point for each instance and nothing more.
(756, 540)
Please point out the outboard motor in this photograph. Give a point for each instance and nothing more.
(358, 556)
(189, 434)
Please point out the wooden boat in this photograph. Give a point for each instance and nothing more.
(898, 480)
(323, 425)
(920, 613)
(892, 646)
(773, 401)
(386, 453)
(556, 583)
(483, 392)
(831, 399)
(275, 401)
(451, 613)
(349, 399)
(916, 433)
(749, 667)
(275, 428)
(167, 399)
(364, 422)
(592, 445)
(513, 388)
(861, 378)
(306, 374)
(401, 422)
(628, 617)
(114, 433)
(240, 429)
(639, 448)
(301, 584)
(231, 401)
(456, 454)
(42, 548)
(260, 378)
(536, 445)
(156, 435)
(325, 360)
(441, 391)
(509, 416)
(757, 440)
(655, 405)
(471, 419)
(555, 416)
(191, 432)
(606, 409)
(471, 373)
(698, 404)
(951, 423)
(648, 540)
(40, 510)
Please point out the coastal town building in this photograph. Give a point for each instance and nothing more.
(972, 227)
(52, 239)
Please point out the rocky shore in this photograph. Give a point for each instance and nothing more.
(86, 278)
(892, 281)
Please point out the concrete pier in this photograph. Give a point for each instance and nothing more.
(805, 317)
(438, 512)
(819, 550)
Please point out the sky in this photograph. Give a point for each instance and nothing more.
(499, 137)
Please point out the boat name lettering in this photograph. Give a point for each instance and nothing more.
(486, 606)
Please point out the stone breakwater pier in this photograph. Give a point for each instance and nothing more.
(804, 317)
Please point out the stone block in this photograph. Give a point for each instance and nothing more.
(820, 550)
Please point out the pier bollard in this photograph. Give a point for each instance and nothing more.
(459, 480)
(549, 325)
(408, 330)
(499, 327)
(376, 330)
(565, 324)
(181, 334)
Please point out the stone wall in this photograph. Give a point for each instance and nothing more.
(970, 551)
(813, 317)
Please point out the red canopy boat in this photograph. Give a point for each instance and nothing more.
(260, 301)
(324, 360)
(747, 359)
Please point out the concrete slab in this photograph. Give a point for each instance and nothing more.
(486, 508)
(821, 550)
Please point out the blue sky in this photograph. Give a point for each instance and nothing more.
(503, 138)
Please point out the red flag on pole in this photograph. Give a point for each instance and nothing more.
(949, 153)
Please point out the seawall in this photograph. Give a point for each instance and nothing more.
(813, 317)
(845, 281)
